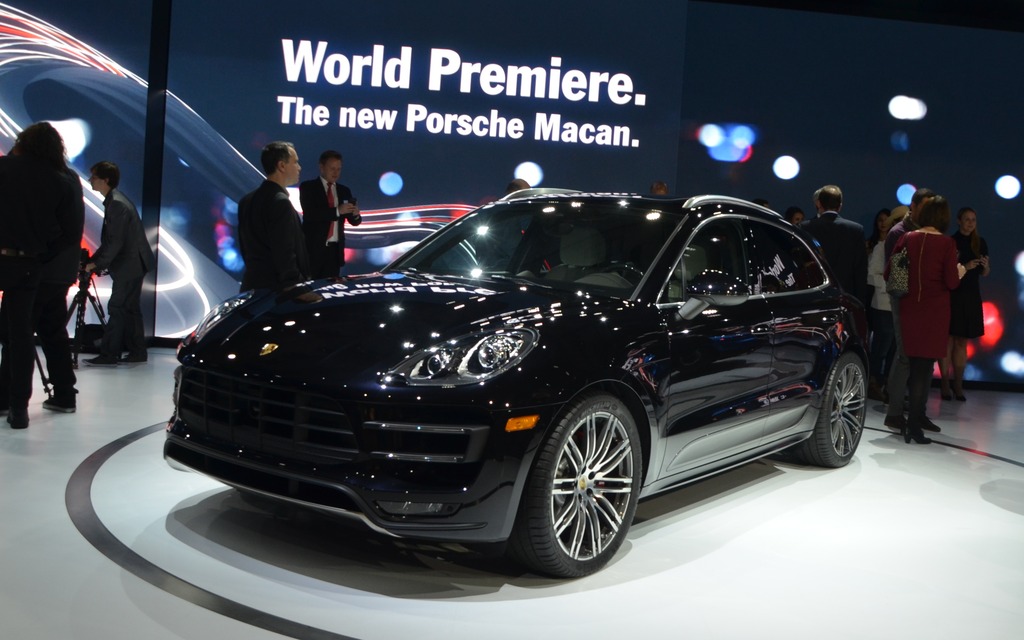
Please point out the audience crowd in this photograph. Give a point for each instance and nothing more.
(934, 322)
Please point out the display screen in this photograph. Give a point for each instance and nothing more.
(85, 75)
(436, 107)
(778, 103)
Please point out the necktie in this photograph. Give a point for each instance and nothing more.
(332, 230)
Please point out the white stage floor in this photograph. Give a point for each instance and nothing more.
(101, 540)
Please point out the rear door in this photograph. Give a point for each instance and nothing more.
(805, 318)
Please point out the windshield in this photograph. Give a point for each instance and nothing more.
(569, 243)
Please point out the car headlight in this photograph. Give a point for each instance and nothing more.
(466, 360)
(217, 314)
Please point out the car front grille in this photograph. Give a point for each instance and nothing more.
(264, 417)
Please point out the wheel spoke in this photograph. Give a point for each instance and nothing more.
(573, 456)
(563, 486)
(614, 458)
(606, 509)
(608, 437)
(615, 485)
(566, 516)
(590, 430)
(593, 518)
(842, 436)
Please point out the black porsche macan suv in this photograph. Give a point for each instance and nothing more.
(529, 372)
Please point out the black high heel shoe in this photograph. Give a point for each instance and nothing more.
(958, 392)
(914, 433)
(944, 391)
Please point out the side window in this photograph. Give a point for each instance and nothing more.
(717, 246)
(782, 262)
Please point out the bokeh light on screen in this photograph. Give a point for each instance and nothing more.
(742, 136)
(905, 193)
(1012, 363)
(907, 108)
(390, 183)
(229, 255)
(1018, 264)
(786, 167)
(729, 142)
(381, 256)
(76, 134)
(900, 141)
(531, 172)
(993, 324)
(710, 135)
(1008, 187)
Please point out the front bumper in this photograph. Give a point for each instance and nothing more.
(437, 473)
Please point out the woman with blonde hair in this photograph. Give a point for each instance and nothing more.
(967, 320)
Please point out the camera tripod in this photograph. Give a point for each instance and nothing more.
(85, 298)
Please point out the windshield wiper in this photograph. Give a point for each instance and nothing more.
(515, 279)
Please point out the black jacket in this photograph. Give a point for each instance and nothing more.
(63, 267)
(317, 216)
(843, 247)
(270, 239)
(124, 251)
(31, 192)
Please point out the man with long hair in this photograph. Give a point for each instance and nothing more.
(40, 221)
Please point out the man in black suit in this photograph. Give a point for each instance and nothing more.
(36, 188)
(842, 242)
(326, 205)
(125, 254)
(269, 229)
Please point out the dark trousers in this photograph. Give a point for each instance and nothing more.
(124, 330)
(50, 320)
(918, 383)
(883, 343)
(325, 261)
(19, 278)
(896, 385)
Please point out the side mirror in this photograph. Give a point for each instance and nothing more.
(718, 288)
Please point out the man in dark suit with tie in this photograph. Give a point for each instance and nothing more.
(125, 254)
(326, 205)
(842, 242)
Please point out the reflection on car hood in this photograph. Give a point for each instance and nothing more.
(358, 327)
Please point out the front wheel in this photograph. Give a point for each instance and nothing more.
(581, 494)
(840, 424)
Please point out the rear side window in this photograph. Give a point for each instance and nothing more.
(783, 263)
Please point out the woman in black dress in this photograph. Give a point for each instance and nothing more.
(966, 318)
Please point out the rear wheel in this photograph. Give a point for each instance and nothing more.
(580, 497)
(840, 424)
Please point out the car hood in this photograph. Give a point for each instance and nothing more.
(351, 330)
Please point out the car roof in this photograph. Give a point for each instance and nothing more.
(686, 202)
(536, 191)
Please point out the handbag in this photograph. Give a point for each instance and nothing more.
(898, 284)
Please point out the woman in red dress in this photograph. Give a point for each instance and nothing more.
(924, 311)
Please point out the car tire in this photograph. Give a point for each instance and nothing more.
(840, 422)
(581, 494)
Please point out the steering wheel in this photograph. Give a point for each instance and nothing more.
(627, 270)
